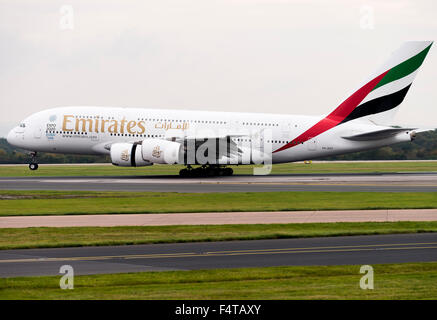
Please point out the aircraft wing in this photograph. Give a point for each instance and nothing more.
(224, 145)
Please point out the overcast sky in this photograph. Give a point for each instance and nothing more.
(279, 56)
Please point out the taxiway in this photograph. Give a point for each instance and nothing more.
(352, 250)
(368, 182)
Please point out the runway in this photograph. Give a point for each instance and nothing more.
(355, 250)
(368, 182)
(219, 218)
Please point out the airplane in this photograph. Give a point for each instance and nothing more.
(135, 137)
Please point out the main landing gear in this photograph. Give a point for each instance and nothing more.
(205, 171)
(33, 165)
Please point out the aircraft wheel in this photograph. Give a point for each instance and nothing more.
(184, 173)
(228, 171)
(33, 166)
(198, 172)
(210, 172)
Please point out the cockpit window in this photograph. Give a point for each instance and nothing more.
(22, 125)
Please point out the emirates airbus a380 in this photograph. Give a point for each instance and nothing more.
(142, 137)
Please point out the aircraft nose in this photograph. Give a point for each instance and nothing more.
(11, 137)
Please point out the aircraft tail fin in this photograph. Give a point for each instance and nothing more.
(379, 99)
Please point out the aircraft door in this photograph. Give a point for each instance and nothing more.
(312, 144)
(285, 130)
(94, 136)
(37, 132)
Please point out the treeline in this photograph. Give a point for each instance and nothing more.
(423, 148)
(9, 154)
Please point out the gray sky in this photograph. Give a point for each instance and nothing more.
(279, 56)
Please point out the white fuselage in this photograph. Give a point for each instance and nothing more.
(92, 130)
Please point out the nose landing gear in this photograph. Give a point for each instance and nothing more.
(33, 165)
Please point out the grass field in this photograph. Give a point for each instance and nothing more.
(400, 281)
(97, 236)
(86, 202)
(295, 168)
(391, 281)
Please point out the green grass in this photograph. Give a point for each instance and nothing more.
(78, 202)
(392, 281)
(96, 170)
(18, 238)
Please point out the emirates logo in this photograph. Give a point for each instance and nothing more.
(156, 152)
(125, 155)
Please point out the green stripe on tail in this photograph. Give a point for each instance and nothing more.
(405, 68)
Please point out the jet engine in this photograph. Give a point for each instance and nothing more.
(128, 155)
(162, 151)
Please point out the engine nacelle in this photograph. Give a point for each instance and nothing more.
(128, 155)
(162, 151)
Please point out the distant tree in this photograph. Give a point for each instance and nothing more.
(424, 147)
(9, 154)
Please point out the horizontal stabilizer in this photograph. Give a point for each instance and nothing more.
(378, 135)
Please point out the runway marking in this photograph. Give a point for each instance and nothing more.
(323, 184)
(95, 258)
(396, 184)
(320, 251)
(381, 247)
(355, 246)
